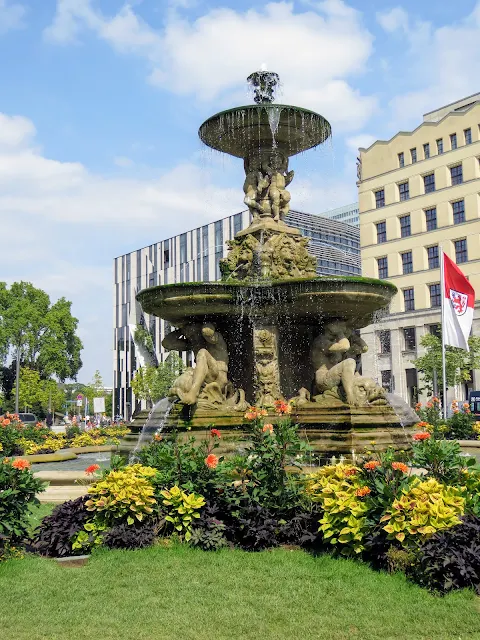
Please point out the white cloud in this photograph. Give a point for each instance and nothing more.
(123, 161)
(315, 51)
(440, 62)
(11, 16)
(393, 20)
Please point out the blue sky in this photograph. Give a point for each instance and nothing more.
(100, 103)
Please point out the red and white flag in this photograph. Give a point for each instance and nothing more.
(459, 300)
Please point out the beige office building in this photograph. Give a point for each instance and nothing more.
(418, 192)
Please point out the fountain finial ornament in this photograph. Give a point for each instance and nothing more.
(264, 84)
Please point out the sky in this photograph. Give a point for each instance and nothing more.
(101, 101)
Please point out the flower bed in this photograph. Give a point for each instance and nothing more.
(375, 510)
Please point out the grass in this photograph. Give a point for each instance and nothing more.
(182, 593)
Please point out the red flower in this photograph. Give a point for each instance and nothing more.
(267, 427)
(372, 465)
(21, 464)
(421, 436)
(400, 466)
(91, 469)
(215, 433)
(211, 461)
(364, 491)
(282, 407)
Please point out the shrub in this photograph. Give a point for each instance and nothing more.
(424, 508)
(461, 423)
(440, 458)
(56, 532)
(89, 537)
(431, 412)
(451, 559)
(257, 528)
(126, 494)
(11, 430)
(181, 509)
(49, 445)
(86, 440)
(300, 527)
(340, 493)
(471, 493)
(136, 536)
(208, 531)
(18, 489)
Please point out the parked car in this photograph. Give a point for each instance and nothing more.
(28, 417)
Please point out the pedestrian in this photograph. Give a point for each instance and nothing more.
(49, 420)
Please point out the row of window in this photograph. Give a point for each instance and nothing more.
(409, 338)
(461, 255)
(435, 296)
(467, 136)
(458, 211)
(456, 177)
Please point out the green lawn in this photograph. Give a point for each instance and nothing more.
(180, 593)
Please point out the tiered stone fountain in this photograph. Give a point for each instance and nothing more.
(272, 329)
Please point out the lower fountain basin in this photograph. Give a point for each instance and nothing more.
(314, 300)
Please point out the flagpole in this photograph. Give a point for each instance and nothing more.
(444, 368)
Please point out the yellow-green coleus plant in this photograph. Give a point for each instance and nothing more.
(423, 509)
(126, 494)
(341, 494)
(182, 508)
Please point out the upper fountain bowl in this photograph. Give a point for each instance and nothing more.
(249, 130)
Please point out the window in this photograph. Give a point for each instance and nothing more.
(440, 146)
(435, 296)
(407, 262)
(468, 136)
(458, 209)
(461, 250)
(385, 341)
(434, 330)
(426, 150)
(381, 232)
(237, 223)
(429, 182)
(404, 191)
(409, 299)
(405, 229)
(431, 218)
(382, 264)
(453, 140)
(410, 339)
(387, 380)
(183, 248)
(401, 159)
(456, 173)
(166, 258)
(433, 259)
(413, 154)
(380, 198)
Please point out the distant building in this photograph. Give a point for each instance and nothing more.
(350, 214)
(417, 192)
(194, 256)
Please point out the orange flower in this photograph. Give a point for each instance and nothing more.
(436, 400)
(282, 408)
(400, 466)
(421, 425)
(21, 464)
(211, 461)
(417, 406)
(215, 433)
(91, 469)
(6, 422)
(371, 465)
(466, 405)
(421, 436)
(429, 405)
(364, 491)
(267, 427)
(157, 437)
(350, 472)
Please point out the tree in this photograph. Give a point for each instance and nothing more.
(43, 333)
(152, 383)
(37, 394)
(458, 362)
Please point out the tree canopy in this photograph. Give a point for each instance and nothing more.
(458, 362)
(152, 383)
(37, 394)
(44, 333)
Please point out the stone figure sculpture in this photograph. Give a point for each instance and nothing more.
(334, 358)
(254, 187)
(267, 371)
(211, 360)
(276, 168)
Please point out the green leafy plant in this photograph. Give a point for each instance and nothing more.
(54, 536)
(182, 508)
(341, 494)
(90, 537)
(18, 489)
(461, 423)
(442, 459)
(423, 509)
(123, 495)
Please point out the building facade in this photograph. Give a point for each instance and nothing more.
(418, 192)
(350, 214)
(194, 256)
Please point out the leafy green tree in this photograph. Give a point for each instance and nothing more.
(37, 394)
(458, 362)
(43, 333)
(152, 383)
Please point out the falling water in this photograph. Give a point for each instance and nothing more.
(154, 424)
